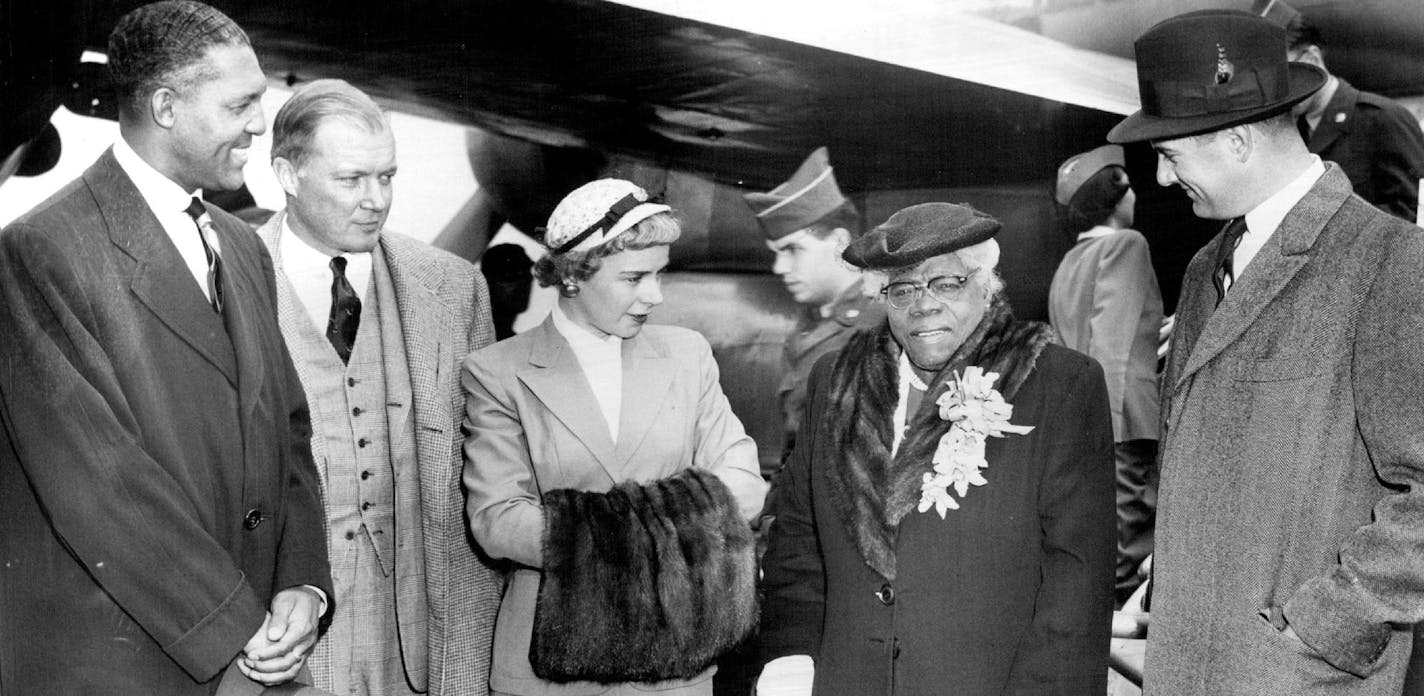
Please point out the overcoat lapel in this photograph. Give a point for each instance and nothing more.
(1287, 250)
(161, 280)
(555, 378)
(242, 281)
(647, 376)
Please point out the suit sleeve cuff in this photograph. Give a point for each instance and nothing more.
(1326, 613)
(208, 647)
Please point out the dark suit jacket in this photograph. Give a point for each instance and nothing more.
(1293, 466)
(156, 488)
(1379, 145)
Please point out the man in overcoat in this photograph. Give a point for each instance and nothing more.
(1290, 528)
(159, 507)
(378, 343)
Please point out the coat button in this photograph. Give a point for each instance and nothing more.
(254, 518)
(886, 594)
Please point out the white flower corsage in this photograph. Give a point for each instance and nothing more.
(977, 411)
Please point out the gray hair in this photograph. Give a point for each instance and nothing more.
(163, 44)
(297, 121)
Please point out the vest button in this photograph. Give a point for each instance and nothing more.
(350, 536)
(362, 443)
(365, 506)
(350, 381)
(886, 594)
(365, 475)
(356, 411)
(254, 518)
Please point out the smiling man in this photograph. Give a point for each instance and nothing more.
(1290, 530)
(377, 324)
(160, 509)
(808, 222)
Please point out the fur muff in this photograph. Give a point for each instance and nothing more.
(875, 491)
(644, 582)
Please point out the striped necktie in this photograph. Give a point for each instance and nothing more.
(204, 223)
(1223, 275)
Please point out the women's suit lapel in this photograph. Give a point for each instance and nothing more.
(647, 375)
(555, 378)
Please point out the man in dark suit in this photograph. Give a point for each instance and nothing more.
(1290, 528)
(1375, 140)
(160, 510)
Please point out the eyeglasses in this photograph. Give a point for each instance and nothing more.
(945, 289)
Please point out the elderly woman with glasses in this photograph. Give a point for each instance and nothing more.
(602, 461)
(946, 524)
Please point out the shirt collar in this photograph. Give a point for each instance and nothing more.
(578, 336)
(1267, 216)
(159, 191)
(1097, 231)
(296, 257)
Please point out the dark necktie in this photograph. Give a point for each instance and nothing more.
(345, 311)
(200, 217)
(1303, 125)
(1221, 263)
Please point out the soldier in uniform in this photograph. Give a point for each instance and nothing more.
(808, 222)
(1374, 139)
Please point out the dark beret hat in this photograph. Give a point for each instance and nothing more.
(920, 232)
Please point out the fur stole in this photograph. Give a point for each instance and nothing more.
(644, 582)
(874, 491)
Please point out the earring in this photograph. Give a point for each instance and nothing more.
(569, 290)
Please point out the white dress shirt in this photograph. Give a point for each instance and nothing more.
(169, 203)
(310, 273)
(1263, 220)
(602, 362)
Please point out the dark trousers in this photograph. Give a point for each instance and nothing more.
(1136, 510)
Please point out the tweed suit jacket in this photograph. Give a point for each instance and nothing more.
(442, 306)
(155, 487)
(534, 425)
(1292, 487)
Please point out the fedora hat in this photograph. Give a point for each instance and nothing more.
(1212, 69)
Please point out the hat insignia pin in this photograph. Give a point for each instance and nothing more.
(1224, 69)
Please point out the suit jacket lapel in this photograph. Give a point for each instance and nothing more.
(555, 378)
(1275, 265)
(647, 375)
(161, 280)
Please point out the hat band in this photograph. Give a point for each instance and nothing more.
(615, 213)
(1178, 99)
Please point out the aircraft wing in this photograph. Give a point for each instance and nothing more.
(933, 36)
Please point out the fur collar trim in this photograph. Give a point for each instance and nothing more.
(875, 491)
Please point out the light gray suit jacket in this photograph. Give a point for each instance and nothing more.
(534, 425)
(1293, 463)
(443, 308)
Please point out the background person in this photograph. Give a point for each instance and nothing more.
(377, 324)
(1104, 302)
(933, 535)
(808, 222)
(1290, 539)
(1375, 140)
(159, 504)
(603, 462)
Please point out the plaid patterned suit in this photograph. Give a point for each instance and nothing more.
(441, 308)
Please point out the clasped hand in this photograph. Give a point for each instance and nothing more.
(276, 652)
